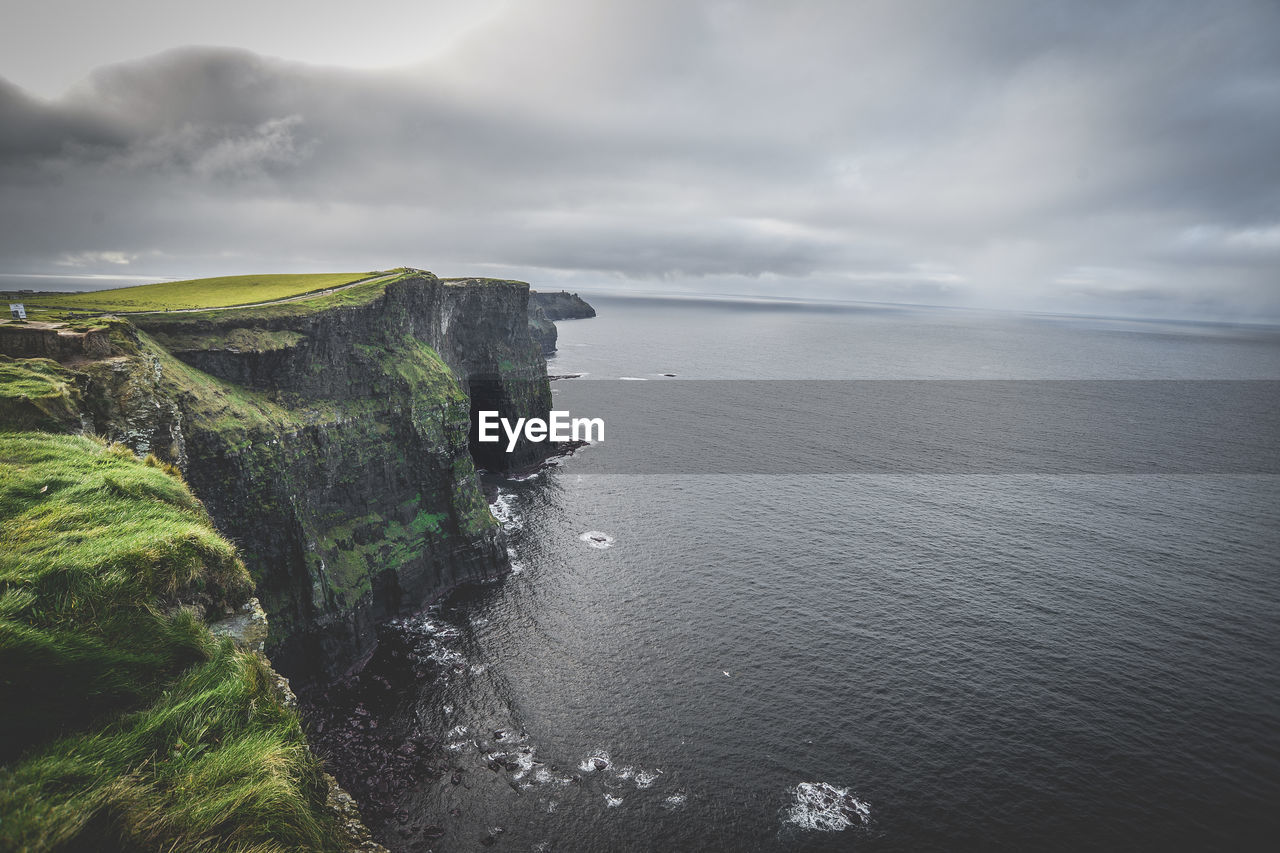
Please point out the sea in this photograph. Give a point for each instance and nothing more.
(751, 655)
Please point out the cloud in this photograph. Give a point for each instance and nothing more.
(1080, 156)
(95, 259)
(211, 152)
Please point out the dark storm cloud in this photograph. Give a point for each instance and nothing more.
(1074, 155)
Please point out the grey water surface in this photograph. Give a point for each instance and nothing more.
(907, 660)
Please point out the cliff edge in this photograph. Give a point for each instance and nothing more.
(546, 308)
(329, 438)
(130, 721)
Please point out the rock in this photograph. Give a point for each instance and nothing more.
(561, 305)
(545, 308)
(247, 628)
(53, 340)
(355, 833)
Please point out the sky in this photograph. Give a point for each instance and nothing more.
(1113, 157)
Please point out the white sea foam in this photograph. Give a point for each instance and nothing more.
(676, 800)
(525, 761)
(503, 509)
(445, 657)
(433, 628)
(825, 808)
(612, 801)
(591, 763)
(625, 772)
(597, 539)
(458, 731)
(645, 778)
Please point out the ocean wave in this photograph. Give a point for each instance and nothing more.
(598, 760)
(823, 807)
(503, 509)
(597, 539)
(646, 778)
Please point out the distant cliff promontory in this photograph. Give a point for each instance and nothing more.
(545, 308)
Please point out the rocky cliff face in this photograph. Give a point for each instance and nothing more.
(330, 441)
(546, 308)
(43, 340)
(541, 328)
(561, 305)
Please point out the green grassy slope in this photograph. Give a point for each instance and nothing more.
(195, 293)
(123, 723)
(360, 294)
(36, 393)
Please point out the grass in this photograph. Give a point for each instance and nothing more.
(123, 723)
(176, 323)
(94, 545)
(36, 393)
(234, 297)
(194, 293)
(215, 764)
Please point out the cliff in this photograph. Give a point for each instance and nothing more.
(546, 308)
(561, 305)
(127, 723)
(329, 438)
(542, 329)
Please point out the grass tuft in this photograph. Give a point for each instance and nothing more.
(216, 763)
(94, 546)
(36, 393)
(124, 724)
